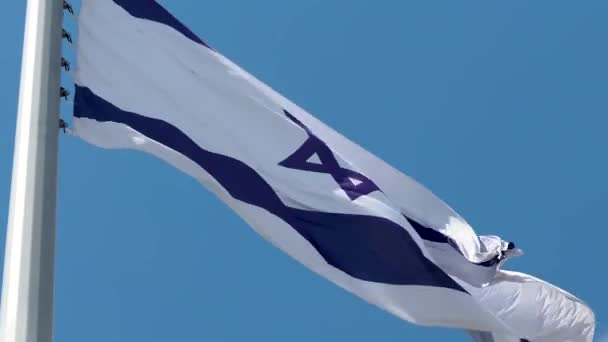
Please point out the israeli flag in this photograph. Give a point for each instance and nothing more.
(144, 81)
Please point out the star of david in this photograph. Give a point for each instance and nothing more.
(315, 156)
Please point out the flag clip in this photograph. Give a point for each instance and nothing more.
(63, 125)
(65, 64)
(64, 93)
(65, 34)
(67, 6)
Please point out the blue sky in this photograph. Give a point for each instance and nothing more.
(498, 107)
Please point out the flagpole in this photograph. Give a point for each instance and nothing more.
(26, 313)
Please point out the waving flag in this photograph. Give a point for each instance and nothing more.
(144, 81)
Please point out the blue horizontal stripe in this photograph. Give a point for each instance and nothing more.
(427, 233)
(153, 11)
(430, 234)
(365, 247)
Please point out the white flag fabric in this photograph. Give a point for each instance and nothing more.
(146, 82)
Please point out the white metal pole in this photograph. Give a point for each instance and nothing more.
(26, 313)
